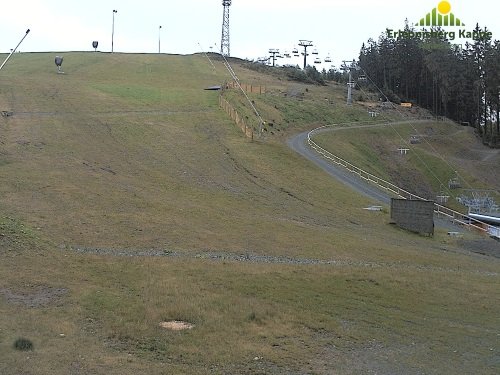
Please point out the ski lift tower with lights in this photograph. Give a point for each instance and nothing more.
(224, 44)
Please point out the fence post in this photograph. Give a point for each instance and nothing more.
(235, 116)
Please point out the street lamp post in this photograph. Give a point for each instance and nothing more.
(159, 39)
(113, 31)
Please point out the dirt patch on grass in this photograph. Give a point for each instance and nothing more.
(35, 296)
(486, 246)
(176, 325)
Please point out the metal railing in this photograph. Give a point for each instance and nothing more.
(455, 216)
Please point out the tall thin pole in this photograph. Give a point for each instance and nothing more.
(113, 31)
(159, 39)
(350, 85)
(305, 44)
(14, 50)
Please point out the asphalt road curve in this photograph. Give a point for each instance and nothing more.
(299, 144)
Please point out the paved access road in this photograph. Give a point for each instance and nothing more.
(299, 144)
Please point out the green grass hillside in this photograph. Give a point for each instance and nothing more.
(128, 198)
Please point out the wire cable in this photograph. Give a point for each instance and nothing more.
(433, 149)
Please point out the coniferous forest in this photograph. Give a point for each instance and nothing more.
(461, 82)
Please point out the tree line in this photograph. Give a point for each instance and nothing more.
(461, 82)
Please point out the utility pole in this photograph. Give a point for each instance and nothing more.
(305, 44)
(275, 54)
(113, 31)
(224, 44)
(159, 39)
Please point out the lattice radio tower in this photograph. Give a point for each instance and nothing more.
(224, 44)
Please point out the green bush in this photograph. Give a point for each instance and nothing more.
(23, 344)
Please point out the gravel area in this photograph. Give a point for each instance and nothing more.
(219, 256)
(34, 296)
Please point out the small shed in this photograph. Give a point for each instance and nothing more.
(413, 215)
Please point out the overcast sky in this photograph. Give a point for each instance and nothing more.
(337, 28)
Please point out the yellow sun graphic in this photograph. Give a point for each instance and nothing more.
(444, 7)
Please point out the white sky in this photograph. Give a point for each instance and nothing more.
(337, 28)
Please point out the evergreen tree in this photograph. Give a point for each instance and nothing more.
(492, 83)
(460, 83)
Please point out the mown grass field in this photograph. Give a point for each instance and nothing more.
(128, 154)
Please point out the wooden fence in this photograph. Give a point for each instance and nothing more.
(252, 89)
(236, 117)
